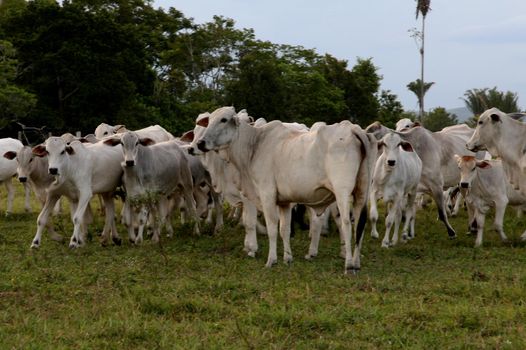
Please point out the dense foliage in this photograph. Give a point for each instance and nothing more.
(123, 61)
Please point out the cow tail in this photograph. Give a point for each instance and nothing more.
(364, 177)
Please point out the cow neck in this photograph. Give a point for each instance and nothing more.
(515, 131)
(241, 152)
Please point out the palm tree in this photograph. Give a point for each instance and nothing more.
(478, 100)
(422, 7)
(420, 91)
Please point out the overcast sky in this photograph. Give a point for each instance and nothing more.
(469, 43)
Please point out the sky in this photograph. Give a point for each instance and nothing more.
(469, 43)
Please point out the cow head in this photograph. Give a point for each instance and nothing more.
(131, 142)
(468, 169)
(487, 130)
(221, 127)
(25, 158)
(404, 124)
(105, 130)
(58, 152)
(391, 145)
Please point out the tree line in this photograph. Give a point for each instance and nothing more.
(71, 65)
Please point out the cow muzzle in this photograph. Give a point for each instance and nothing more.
(464, 185)
(201, 144)
(130, 162)
(22, 179)
(53, 171)
(391, 162)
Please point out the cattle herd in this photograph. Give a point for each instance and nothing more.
(270, 167)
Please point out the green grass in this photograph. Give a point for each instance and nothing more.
(204, 293)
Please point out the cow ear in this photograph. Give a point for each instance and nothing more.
(415, 124)
(188, 136)
(495, 118)
(203, 122)
(484, 164)
(406, 146)
(10, 155)
(119, 128)
(70, 150)
(39, 151)
(112, 141)
(83, 140)
(146, 141)
(236, 120)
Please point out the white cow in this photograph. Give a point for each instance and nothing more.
(8, 170)
(404, 124)
(33, 170)
(484, 185)
(280, 166)
(155, 132)
(503, 137)
(396, 177)
(80, 170)
(226, 180)
(435, 149)
(152, 173)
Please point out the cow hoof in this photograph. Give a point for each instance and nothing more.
(270, 263)
(73, 245)
(35, 245)
(310, 256)
(117, 240)
(251, 254)
(375, 235)
(385, 244)
(288, 259)
(352, 271)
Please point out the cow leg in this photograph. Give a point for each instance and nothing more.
(438, 196)
(373, 214)
(157, 222)
(43, 218)
(389, 221)
(285, 213)
(315, 228)
(479, 217)
(78, 219)
(190, 207)
(10, 195)
(218, 208)
(27, 197)
(249, 218)
(110, 227)
(408, 231)
(458, 202)
(270, 211)
(142, 213)
(500, 209)
(342, 199)
(397, 220)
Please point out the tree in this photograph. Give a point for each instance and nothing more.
(15, 102)
(479, 100)
(420, 91)
(438, 118)
(390, 110)
(422, 7)
(360, 95)
(83, 66)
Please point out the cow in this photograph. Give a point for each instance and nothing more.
(503, 137)
(80, 170)
(226, 180)
(435, 149)
(396, 178)
(33, 170)
(8, 170)
(280, 166)
(155, 132)
(484, 185)
(404, 124)
(152, 173)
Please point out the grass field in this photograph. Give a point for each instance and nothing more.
(204, 293)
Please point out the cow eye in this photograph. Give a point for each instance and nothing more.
(105, 133)
(30, 160)
(223, 120)
(64, 151)
(480, 122)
